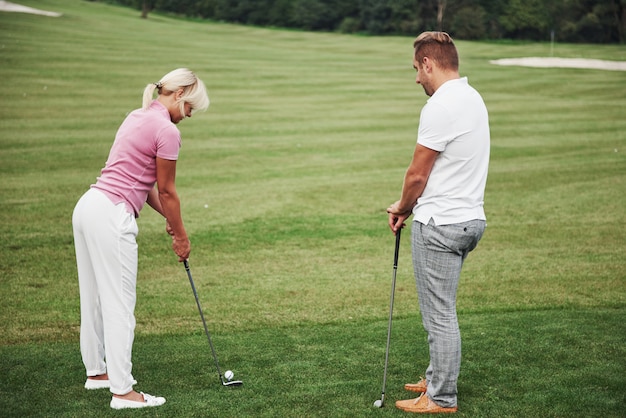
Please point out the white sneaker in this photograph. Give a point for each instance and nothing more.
(149, 400)
(91, 384)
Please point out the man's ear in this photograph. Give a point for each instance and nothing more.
(427, 65)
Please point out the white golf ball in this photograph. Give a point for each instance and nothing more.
(378, 404)
(229, 375)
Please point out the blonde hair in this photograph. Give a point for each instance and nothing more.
(194, 91)
(439, 47)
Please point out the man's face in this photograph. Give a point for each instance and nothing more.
(423, 77)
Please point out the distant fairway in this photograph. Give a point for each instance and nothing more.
(284, 183)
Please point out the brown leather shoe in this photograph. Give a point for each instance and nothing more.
(423, 405)
(419, 387)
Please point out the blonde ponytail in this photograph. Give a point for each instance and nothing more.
(148, 94)
(194, 90)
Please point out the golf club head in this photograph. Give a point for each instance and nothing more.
(232, 383)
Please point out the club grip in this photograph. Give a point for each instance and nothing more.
(397, 250)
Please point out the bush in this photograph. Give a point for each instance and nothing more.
(350, 25)
(469, 23)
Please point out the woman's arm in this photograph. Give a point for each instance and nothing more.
(169, 205)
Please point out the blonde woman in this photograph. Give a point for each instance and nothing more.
(143, 154)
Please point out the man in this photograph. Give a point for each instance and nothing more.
(444, 190)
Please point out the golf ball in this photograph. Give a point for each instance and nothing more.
(378, 404)
(229, 375)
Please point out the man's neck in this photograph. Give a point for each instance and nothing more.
(444, 77)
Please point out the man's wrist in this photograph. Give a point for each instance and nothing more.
(402, 210)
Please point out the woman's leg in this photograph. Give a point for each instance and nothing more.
(109, 233)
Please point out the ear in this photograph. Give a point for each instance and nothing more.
(179, 93)
(427, 64)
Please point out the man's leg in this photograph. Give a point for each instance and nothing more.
(438, 255)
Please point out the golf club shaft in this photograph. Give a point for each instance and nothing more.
(206, 329)
(393, 291)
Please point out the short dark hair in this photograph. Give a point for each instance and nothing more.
(439, 47)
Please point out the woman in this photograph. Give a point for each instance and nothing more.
(144, 153)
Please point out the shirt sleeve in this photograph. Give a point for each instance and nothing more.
(168, 143)
(434, 128)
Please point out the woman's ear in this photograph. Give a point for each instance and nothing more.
(179, 93)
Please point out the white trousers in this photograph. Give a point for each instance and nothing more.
(106, 257)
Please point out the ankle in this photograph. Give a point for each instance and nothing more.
(131, 396)
(99, 377)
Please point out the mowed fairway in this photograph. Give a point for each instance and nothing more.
(284, 183)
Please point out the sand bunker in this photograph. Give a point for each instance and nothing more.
(5, 6)
(563, 63)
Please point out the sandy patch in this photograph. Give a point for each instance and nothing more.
(5, 6)
(563, 63)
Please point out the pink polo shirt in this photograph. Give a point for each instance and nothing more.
(130, 171)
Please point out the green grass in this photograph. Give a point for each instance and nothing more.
(533, 363)
(304, 146)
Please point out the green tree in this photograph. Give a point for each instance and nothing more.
(280, 13)
(312, 15)
(600, 21)
(390, 16)
(469, 23)
(526, 19)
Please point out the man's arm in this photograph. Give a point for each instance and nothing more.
(415, 181)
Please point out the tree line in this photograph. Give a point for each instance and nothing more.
(577, 21)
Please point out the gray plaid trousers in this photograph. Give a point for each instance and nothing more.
(438, 255)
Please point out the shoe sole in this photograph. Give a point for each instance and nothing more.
(438, 410)
(414, 389)
(92, 384)
(124, 404)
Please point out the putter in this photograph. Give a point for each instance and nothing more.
(208, 336)
(380, 402)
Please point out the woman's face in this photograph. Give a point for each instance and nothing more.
(175, 114)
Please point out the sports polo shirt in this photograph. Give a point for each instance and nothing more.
(454, 121)
(130, 171)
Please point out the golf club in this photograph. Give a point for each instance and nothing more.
(208, 336)
(379, 403)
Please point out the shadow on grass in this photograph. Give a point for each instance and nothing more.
(559, 363)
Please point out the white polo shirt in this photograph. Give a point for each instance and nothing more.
(454, 122)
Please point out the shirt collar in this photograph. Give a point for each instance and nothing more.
(160, 107)
(449, 84)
